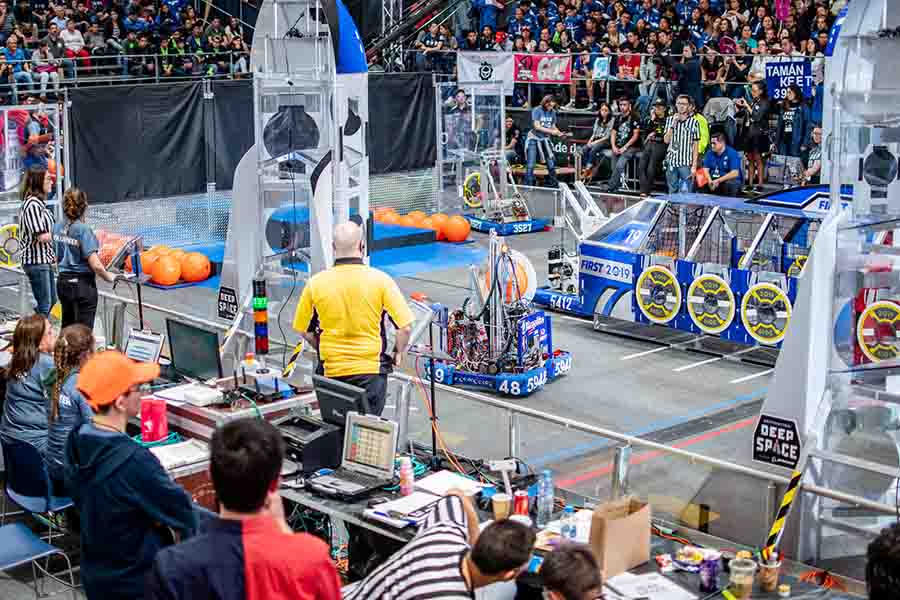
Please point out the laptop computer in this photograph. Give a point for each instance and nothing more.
(143, 346)
(367, 463)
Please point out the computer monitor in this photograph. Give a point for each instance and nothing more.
(143, 346)
(337, 399)
(194, 351)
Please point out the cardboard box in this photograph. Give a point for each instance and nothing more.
(620, 535)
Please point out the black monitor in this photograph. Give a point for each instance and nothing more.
(337, 398)
(194, 351)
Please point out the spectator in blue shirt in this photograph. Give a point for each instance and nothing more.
(21, 68)
(649, 14)
(543, 126)
(724, 166)
(487, 12)
(573, 23)
(684, 8)
(68, 408)
(25, 409)
(515, 25)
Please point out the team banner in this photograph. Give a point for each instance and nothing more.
(781, 74)
(543, 68)
(495, 67)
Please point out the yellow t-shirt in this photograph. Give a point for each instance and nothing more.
(350, 305)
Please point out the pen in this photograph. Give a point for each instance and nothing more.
(387, 516)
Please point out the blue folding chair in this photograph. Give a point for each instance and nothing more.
(28, 484)
(19, 545)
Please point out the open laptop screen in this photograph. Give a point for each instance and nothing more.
(143, 346)
(370, 444)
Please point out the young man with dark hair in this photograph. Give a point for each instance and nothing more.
(883, 566)
(249, 551)
(449, 558)
(571, 573)
(129, 507)
(724, 166)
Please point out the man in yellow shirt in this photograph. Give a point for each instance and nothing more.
(344, 312)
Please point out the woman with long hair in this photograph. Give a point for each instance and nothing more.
(79, 264)
(68, 407)
(758, 142)
(35, 235)
(600, 140)
(793, 123)
(25, 409)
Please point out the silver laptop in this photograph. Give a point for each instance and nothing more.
(143, 346)
(368, 460)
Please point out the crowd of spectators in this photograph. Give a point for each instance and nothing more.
(657, 50)
(44, 42)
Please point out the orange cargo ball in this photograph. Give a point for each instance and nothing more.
(178, 255)
(439, 220)
(407, 221)
(381, 211)
(147, 260)
(195, 267)
(417, 215)
(166, 271)
(390, 218)
(457, 229)
(161, 250)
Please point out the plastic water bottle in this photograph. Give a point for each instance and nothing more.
(407, 476)
(569, 527)
(545, 499)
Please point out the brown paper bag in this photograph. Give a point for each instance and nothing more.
(620, 535)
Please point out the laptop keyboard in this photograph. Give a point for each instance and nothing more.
(357, 478)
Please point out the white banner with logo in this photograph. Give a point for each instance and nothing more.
(494, 67)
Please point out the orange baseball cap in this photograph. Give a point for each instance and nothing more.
(110, 374)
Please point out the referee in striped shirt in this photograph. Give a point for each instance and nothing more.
(683, 138)
(449, 558)
(35, 234)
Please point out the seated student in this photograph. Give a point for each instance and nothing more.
(448, 558)
(883, 565)
(129, 506)
(724, 166)
(249, 551)
(571, 573)
(25, 408)
(68, 408)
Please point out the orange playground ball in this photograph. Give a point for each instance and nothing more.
(390, 218)
(407, 221)
(178, 255)
(381, 211)
(166, 271)
(457, 229)
(514, 288)
(439, 220)
(161, 250)
(195, 267)
(417, 215)
(147, 261)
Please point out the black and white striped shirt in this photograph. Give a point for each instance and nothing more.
(36, 219)
(429, 566)
(684, 135)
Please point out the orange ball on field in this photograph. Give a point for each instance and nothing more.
(178, 255)
(166, 271)
(161, 250)
(195, 267)
(514, 288)
(417, 215)
(390, 218)
(381, 211)
(147, 260)
(457, 229)
(407, 221)
(439, 220)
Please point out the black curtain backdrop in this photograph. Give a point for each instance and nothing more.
(232, 128)
(150, 141)
(132, 142)
(402, 125)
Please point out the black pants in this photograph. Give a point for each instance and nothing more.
(651, 160)
(375, 386)
(78, 296)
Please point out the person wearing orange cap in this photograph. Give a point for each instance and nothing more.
(129, 506)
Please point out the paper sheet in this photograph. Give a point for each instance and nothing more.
(173, 456)
(650, 585)
(409, 505)
(443, 481)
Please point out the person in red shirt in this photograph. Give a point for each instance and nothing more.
(249, 552)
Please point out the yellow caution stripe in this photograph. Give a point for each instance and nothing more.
(292, 362)
(778, 525)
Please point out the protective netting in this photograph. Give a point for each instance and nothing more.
(676, 229)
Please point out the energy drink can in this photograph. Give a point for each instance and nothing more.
(709, 572)
(520, 505)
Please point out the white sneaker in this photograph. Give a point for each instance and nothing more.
(569, 106)
(592, 106)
